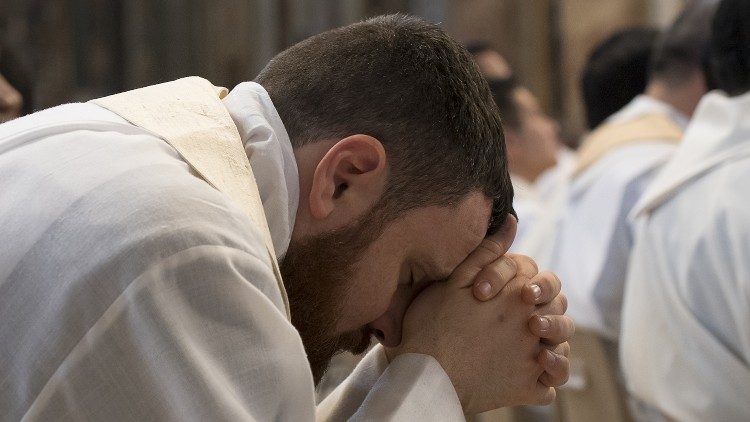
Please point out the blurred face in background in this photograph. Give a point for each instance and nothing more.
(534, 142)
(11, 102)
(493, 65)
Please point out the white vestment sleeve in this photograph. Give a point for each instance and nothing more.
(194, 337)
(413, 387)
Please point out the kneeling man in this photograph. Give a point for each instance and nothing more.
(183, 253)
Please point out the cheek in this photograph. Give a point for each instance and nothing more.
(368, 297)
(375, 277)
(545, 141)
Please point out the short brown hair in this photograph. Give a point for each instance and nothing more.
(683, 47)
(730, 47)
(407, 83)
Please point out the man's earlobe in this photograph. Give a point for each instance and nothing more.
(356, 162)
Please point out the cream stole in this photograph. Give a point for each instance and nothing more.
(609, 136)
(189, 115)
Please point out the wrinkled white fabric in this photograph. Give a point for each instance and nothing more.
(586, 237)
(130, 289)
(532, 201)
(685, 344)
(528, 206)
(552, 181)
(412, 387)
(271, 157)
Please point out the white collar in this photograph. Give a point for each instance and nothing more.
(719, 131)
(271, 157)
(643, 105)
(523, 189)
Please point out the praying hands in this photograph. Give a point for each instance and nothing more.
(503, 345)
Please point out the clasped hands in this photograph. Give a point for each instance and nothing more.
(497, 327)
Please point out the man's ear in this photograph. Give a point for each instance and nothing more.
(350, 176)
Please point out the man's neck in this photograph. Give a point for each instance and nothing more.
(683, 97)
(526, 174)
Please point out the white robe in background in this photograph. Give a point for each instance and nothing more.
(528, 206)
(130, 289)
(552, 182)
(532, 201)
(586, 238)
(685, 344)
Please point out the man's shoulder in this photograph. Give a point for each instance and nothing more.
(65, 116)
(120, 192)
(126, 187)
(717, 198)
(177, 209)
(634, 159)
(625, 171)
(713, 217)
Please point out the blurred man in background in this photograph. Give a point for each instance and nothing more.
(686, 314)
(538, 161)
(615, 164)
(532, 142)
(616, 71)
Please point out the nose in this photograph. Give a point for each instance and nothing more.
(387, 327)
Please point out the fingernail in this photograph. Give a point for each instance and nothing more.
(485, 289)
(537, 291)
(544, 323)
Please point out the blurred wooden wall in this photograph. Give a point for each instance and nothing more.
(81, 49)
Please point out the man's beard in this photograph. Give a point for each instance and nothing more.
(316, 273)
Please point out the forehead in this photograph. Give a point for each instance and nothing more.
(444, 236)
